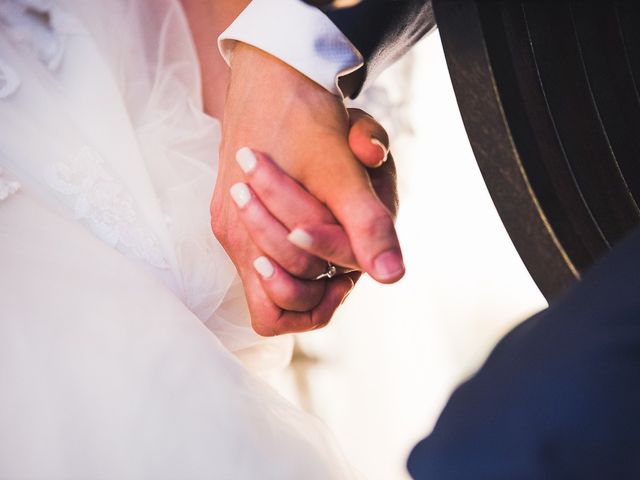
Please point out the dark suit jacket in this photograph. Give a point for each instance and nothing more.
(559, 397)
(384, 30)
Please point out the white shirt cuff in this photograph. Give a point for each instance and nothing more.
(298, 34)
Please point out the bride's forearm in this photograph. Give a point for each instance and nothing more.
(207, 20)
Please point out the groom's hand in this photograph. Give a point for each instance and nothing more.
(272, 108)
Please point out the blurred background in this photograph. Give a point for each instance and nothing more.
(380, 374)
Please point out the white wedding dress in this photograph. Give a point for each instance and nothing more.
(122, 322)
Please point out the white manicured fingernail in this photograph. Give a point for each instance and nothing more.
(300, 238)
(246, 159)
(378, 143)
(264, 267)
(240, 194)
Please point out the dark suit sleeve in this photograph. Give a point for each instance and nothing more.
(383, 30)
(559, 397)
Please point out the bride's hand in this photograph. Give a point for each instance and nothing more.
(284, 220)
(275, 109)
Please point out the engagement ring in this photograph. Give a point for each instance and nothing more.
(329, 273)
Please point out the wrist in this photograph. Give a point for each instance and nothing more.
(307, 40)
(278, 84)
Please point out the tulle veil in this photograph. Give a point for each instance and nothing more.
(118, 304)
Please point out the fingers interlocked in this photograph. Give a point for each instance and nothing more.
(269, 204)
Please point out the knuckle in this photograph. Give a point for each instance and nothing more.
(378, 226)
(319, 214)
(305, 323)
(264, 317)
(264, 328)
(296, 303)
(218, 228)
(297, 322)
(333, 248)
(297, 300)
(282, 293)
(302, 265)
(218, 223)
(266, 183)
(321, 323)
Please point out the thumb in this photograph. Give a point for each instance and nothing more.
(368, 140)
(344, 186)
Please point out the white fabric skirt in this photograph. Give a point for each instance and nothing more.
(125, 344)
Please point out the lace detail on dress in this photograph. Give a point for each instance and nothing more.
(105, 205)
(7, 187)
(9, 80)
(31, 23)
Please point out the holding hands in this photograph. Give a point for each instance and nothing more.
(322, 192)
